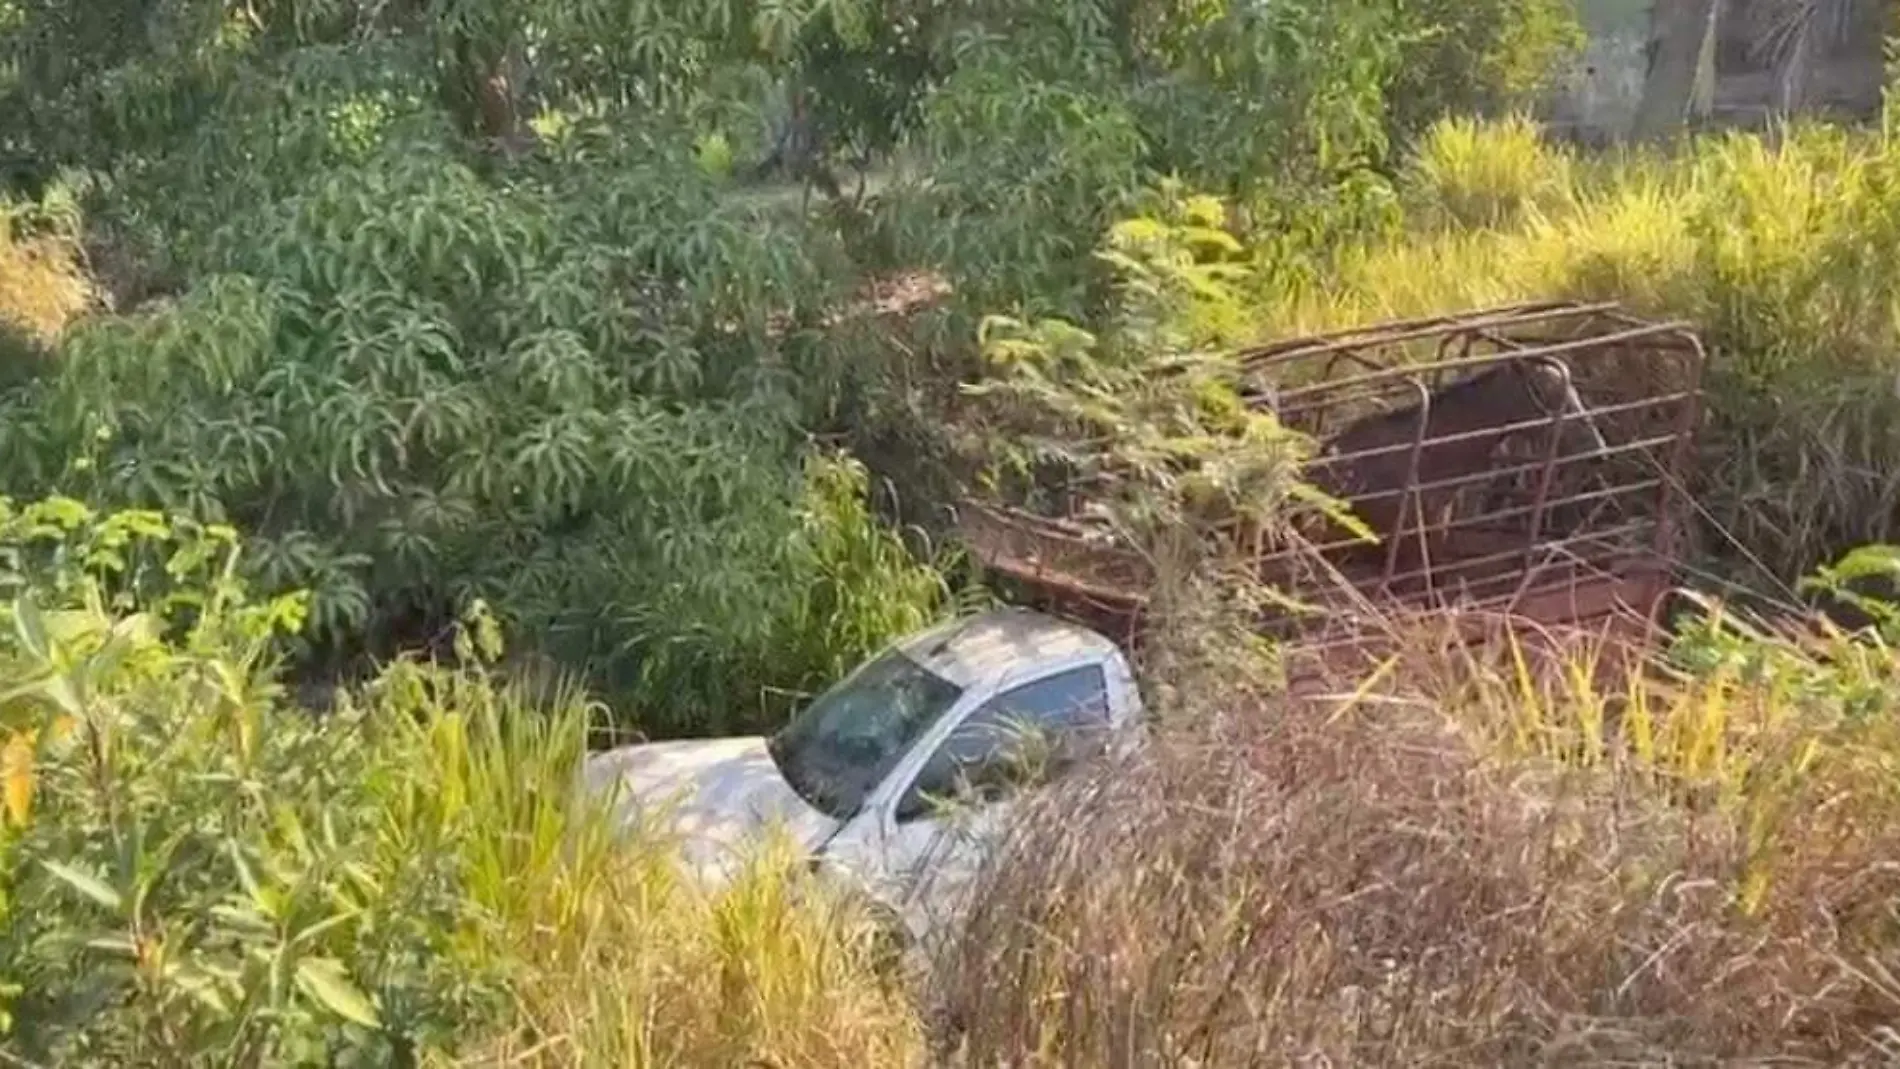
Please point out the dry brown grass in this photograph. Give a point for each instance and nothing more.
(43, 283)
(1376, 882)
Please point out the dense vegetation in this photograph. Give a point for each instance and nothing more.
(199, 872)
(439, 302)
(574, 314)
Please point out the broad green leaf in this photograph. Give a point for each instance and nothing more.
(17, 775)
(201, 985)
(248, 919)
(1865, 562)
(317, 930)
(30, 627)
(90, 886)
(117, 944)
(65, 695)
(327, 982)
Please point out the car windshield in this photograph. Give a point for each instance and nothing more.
(842, 745)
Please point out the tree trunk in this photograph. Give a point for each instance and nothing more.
(1681, 79)
(485, 89)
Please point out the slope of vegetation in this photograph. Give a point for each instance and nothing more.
(444, 310)
(1522, 881)
(1509, 857)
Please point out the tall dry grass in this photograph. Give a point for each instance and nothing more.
(1477, 862)
(43, 282)
(625, 963)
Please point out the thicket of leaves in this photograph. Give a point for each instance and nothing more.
(418, 389)
(188, 865)
(1138, 429)
(463, 300)
(195, 871)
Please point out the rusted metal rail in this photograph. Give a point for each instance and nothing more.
(1522, 462)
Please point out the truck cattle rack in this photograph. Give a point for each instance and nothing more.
(1521, 463)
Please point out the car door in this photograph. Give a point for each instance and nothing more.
(940, 826)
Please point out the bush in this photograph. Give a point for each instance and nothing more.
(194, 869)
(1488, 56)
(189, 867)
(461, 316)
(415, 389)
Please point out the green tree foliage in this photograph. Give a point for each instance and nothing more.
(1489, 55)
(193, 871)
(463, 300)
(419, 387)
(1144, 423)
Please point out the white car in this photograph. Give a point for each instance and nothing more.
(854, 775)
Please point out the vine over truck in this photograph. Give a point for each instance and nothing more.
(1524, 464)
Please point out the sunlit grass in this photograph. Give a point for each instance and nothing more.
(43, 284)
(1783, 734)
(1474, 174)
(615, 956)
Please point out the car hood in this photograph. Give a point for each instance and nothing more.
(716, 795)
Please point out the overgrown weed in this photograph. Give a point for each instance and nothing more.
(1576, 845)
(1506, 860)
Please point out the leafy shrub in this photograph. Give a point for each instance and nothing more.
(187, 865)
(1031, 148)
(417, 389)
(192, 869)
(1485, 56)
(464, 310)
(1056, 119)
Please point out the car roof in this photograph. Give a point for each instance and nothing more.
(992, 645)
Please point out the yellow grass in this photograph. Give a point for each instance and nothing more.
(43, 285)
(616, 958)
(1469, 173)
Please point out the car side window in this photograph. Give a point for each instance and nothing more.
(1026, 734)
